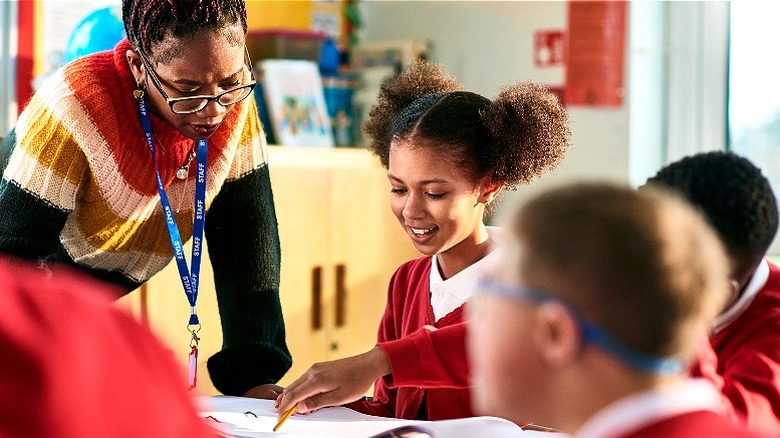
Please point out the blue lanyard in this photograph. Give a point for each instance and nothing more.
(189, 278)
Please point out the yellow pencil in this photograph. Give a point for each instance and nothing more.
(285, 417)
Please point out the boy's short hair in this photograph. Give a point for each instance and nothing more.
(642, 265)
(734, 195)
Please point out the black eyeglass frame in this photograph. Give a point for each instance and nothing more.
(206, 99)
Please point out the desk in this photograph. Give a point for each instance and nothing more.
(247, 417)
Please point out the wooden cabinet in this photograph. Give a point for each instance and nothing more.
(340, 245)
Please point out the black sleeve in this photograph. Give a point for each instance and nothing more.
(243, 244)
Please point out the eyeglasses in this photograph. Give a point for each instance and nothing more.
(590, 332)
(193, 104)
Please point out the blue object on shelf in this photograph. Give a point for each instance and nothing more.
(330, 58)
(100, 30)
(338, 91)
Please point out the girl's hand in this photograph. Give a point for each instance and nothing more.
(334, 383)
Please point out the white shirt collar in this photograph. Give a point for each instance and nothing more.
(639, 410)
(757, 282)
(447, 295)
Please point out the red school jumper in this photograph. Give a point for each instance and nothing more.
(686, 409)
(747, 345)
(692, 424)
(409, 309)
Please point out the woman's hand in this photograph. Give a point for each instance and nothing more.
(268, 391)
(334, 383)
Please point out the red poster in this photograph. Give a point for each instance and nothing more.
(595, 53)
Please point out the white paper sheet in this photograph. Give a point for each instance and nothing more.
(247, 417)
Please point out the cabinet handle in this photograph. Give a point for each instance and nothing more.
(316, 298)
(341, 295)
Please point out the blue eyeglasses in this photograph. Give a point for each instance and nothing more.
(590, 332)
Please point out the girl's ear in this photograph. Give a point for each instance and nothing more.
(556, 334)
(136, 66)
(489, 190)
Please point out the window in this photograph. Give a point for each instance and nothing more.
(754, 88)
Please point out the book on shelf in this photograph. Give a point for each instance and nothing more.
(295, 102)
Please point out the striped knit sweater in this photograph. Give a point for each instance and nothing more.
(79, 187)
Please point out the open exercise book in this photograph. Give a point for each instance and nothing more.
(248, 417)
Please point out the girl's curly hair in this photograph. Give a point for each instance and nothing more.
(513, 139)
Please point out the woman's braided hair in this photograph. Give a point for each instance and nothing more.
(148, 22)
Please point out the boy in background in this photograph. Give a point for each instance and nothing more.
(589, 317)
(738, 201)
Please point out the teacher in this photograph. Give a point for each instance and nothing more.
(123, 155)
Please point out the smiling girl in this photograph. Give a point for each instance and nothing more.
(449, 153)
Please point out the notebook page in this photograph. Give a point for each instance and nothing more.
(247, 417)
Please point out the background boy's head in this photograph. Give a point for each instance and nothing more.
(642, 266)
(736, 198)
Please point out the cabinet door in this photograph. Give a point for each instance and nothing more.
(301, 194)
(367, 246)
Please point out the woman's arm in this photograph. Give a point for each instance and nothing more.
(243, 243)
(31, 222)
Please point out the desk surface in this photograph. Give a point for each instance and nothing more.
(247, 417)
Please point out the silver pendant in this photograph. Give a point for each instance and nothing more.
(183, 172)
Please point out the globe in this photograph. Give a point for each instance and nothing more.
(100, 30)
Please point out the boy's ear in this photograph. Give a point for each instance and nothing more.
(556, 334)
(489, 190)
(734, 291)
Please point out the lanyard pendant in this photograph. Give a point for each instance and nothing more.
(192, 374)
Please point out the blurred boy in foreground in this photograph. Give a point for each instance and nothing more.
(589, 318)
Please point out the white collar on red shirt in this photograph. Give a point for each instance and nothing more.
(755, 285)
(447, 295)
(639, 410)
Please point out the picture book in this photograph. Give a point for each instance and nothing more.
(295, 102)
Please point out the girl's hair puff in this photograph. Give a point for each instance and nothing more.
(530, 132)
(395, 95)
(147, 22)
(513, 139)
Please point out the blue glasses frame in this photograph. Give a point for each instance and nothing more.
(590, 332)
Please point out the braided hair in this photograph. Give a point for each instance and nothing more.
(513, 139)
(148, 22)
